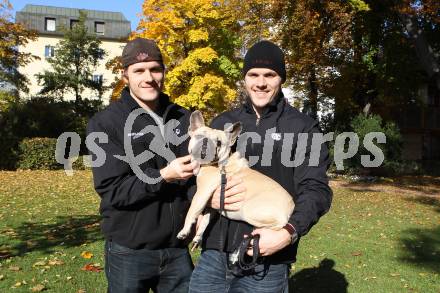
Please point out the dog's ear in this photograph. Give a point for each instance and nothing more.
(195, 121)
(232, 132)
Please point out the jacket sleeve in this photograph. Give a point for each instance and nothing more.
(114, 181)
(313, 195)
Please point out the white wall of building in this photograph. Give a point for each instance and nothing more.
(37, 48)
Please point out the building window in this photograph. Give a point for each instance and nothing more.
(50, 24)
(73, 22)
(49, 51)
(99, 28)
(97, 78)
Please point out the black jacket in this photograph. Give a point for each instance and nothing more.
(137, 214)
(307, 185)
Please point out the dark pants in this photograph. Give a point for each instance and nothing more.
(212, 276)
(162, 270)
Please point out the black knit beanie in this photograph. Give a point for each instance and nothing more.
(265, 54)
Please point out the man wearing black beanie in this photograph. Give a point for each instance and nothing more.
(268, 116)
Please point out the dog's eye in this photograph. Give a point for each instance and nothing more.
(219, 143)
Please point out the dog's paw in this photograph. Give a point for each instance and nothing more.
(182, 234)
(197, 239)
(194, 246)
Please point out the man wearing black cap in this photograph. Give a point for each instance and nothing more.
(267, 115)
(144, 188)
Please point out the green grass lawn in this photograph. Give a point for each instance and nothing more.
(371, 241)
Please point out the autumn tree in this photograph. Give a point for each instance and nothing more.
(12, 36)
(393, 55)
(76, 57)
(200, 44)
(316, 36)
(421, 20)
(118, 84)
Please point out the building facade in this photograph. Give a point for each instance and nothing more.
(112, 28)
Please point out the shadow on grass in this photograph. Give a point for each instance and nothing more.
(65, 232)
(421, 247)
(323, 278)
(429, 201)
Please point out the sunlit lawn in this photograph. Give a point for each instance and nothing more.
(371, 241)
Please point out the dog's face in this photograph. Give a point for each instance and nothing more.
(209, 145)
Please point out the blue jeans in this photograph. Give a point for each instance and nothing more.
(163, 270)
(211, 275)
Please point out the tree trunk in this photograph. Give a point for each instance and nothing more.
(424, 50)
(311, 105)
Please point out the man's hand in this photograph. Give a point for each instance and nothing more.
(233, 195)
(271, 241)
(179, 168)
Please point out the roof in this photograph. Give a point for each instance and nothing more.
(117, 27)
(73, 12)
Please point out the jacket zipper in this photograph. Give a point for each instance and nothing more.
(165, 114)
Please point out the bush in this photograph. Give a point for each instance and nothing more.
(79, 164)
(38, 154)
(39, 117)
(392, 149)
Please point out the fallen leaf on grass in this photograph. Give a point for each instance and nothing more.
(87, 254)
(2, 277)
(14, 268)
(91, 268)
(31, 244)
(394, 274)
(38, 288)
(81, 291)
(4, 254)
(56, 262)
(356, 253)
(41, 263)
(16, 285)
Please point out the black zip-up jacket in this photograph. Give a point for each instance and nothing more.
(137, 214)
(307, 185)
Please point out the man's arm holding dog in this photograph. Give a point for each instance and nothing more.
(312, 200)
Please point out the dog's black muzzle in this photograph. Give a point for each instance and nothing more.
(205, 151)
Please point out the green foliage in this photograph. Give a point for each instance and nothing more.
(359, 5)
(78, 163)
(38, 154)
(76, 57)
(392, 149)
(40, 117)
(12, 36)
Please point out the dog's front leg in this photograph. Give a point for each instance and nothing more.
(198, 204)
(201, 229)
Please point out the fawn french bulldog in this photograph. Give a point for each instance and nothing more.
(265, 203)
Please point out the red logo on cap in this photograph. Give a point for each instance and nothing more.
(142, 56)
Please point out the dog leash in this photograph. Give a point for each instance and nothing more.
(242, 263)
(223, 182)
